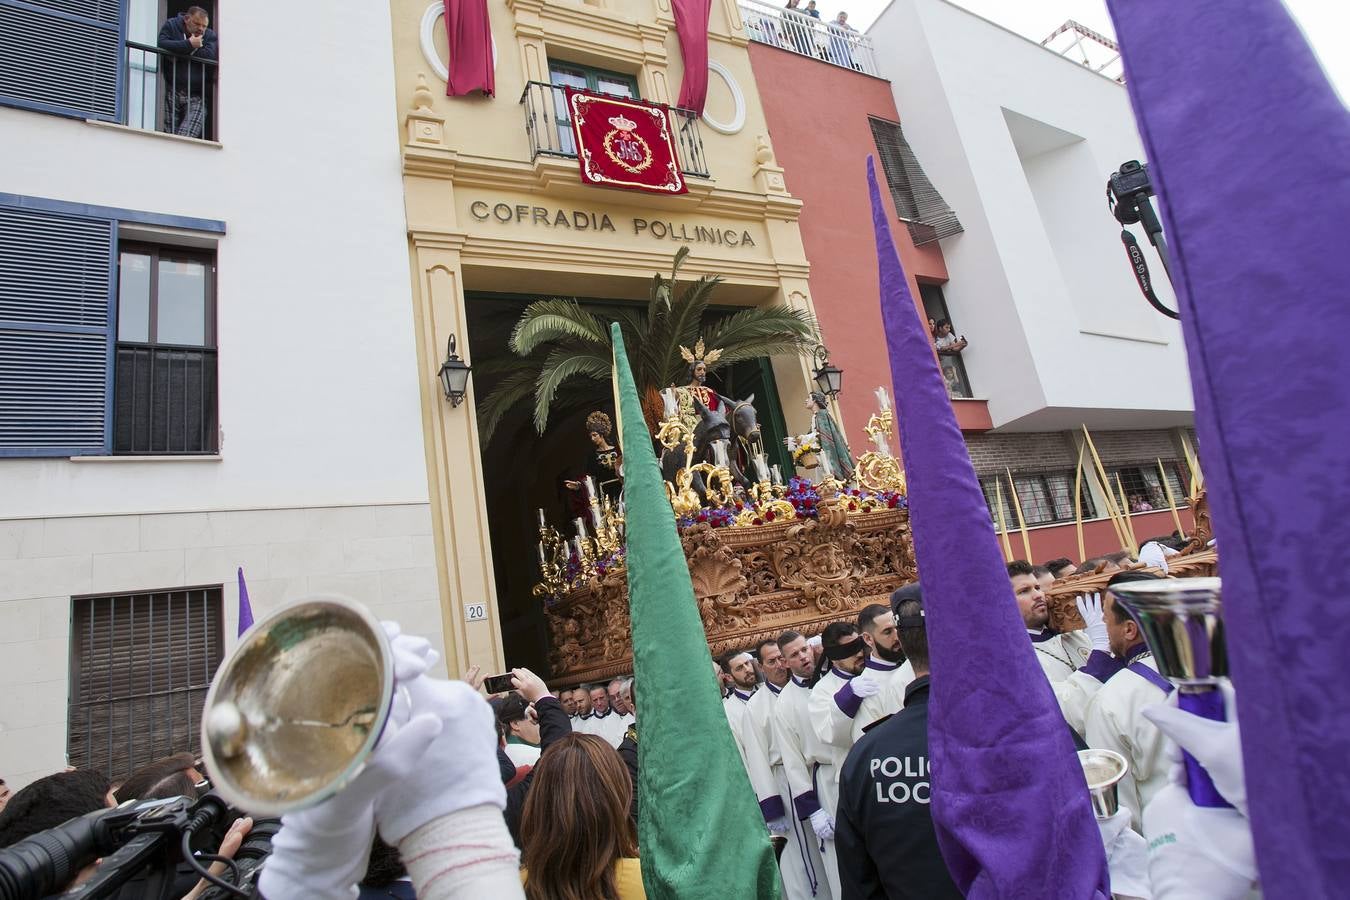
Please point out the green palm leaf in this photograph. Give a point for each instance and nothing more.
(561, 365)
(505, 394)
(544, 321)
(750, 327)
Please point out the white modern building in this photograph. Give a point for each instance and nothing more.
(206, 363)
(1020, 141)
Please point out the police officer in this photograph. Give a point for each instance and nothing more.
(884, 835)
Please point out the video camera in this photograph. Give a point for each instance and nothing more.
(144, 840)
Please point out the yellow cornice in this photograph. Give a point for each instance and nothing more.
(558, 179)
(574, 257)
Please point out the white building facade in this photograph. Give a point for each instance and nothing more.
(206, 365)
(1020, 141)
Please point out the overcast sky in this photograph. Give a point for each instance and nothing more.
(1325, 22)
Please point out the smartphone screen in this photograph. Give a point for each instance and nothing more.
(498, 684)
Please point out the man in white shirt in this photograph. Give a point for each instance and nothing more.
(885, 665)
(1074, 684)
(604, 721)
(744, 680)
(800, 750)
(617, 703)
(581, 696)
(1114, 720)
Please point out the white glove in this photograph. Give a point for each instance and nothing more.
(1215, 745)
(822, 825)
(323, 852)
(779, 826)
(1196, 853)
(1126, 856)
(1090, 608)
(864, 686)
(460, 769)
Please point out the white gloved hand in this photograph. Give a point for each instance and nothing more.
(1126, 856)
(1090, 608)
(864, 686)
(322, 852)
(1196, 853)
(822, 825)
(1215, 745)
(779, 826)
(460, 769)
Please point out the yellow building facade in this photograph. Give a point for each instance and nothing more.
(497, 214)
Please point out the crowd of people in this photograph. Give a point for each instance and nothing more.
(534, 792)
(831, 41)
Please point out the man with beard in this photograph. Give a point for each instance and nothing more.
(740, 666)
(1074, 686)
(886, 663)
(802, 865)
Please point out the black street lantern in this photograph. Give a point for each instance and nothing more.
(454, 374)
(829, 379)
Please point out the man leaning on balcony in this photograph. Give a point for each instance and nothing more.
(186, 77)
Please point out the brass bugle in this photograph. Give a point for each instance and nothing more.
(297, 706)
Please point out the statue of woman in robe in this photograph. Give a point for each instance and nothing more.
(833, 446)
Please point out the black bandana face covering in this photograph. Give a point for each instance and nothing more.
(844, 651)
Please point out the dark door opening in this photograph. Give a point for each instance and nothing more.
(524, 471)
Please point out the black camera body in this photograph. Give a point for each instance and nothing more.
(1125, 186)
(145, 840)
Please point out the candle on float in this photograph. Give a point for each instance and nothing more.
(879, 441)
(883, 398)
(825, 470)
(719, 449)
(590, 487)
(580, 524)
(543, 557)
(761, 467)
(542, 524)
(776, 473)
(576, 545)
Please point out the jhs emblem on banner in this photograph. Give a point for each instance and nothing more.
(624, 143)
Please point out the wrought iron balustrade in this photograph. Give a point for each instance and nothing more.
(169, 92)
(549, 128)
(164, 400)
(799, 33)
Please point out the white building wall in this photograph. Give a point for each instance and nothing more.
(1019, 141)
(320, 485)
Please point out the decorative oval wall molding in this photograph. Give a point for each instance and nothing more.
(429, 19)
(738, 117)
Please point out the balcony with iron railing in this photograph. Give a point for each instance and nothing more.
(806, 35)
(169, 92)
(550, 130)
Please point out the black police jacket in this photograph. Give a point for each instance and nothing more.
(883, 832)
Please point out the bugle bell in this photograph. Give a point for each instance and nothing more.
(1103, 770)
(297, 706)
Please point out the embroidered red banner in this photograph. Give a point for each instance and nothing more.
(625, 143)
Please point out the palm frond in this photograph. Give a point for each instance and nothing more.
(750, 326)
(560, 366)
(553, 320)
(505, 394)
(682, 327)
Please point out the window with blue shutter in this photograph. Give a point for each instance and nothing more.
(62, 56)
(56, 312)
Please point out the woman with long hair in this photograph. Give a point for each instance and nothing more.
(578, 840)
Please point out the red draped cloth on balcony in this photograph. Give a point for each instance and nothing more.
(469, 33)
(691, 24)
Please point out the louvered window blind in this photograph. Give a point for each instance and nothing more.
(62, 56)
(140, 668)
(55, 291)
(925, 213)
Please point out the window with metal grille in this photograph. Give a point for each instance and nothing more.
(140, 668)
(917, 202)
(164, 388)
(62, 56)
(1143, 486)
(1046, 497)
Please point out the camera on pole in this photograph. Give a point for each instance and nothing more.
(1128, 195)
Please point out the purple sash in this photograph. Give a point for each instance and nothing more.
(1152, 677)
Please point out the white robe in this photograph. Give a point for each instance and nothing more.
(800, 865)
(1061, 659)
(803, 753)
(894, 678)
(831, 709)
(609, 725)
(1114, 722)
(754, 756)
